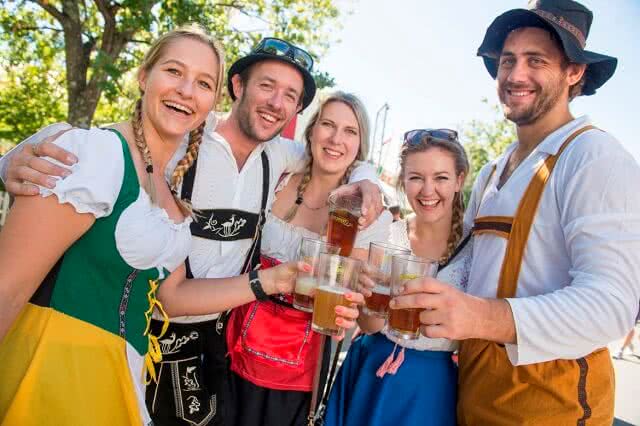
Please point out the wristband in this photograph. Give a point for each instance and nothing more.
(256, 286)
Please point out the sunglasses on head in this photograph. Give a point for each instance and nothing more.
(415, 137)
(276, 47)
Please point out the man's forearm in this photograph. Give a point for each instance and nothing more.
(494, 321)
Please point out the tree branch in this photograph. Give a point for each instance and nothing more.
(20, 28)
(51, 10)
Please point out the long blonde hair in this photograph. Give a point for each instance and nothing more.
(461, 164)
(152, 56)
(356, 105)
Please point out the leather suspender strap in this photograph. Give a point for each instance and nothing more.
(185, 194)
(523, 221)
(187, 182)
(253, 256)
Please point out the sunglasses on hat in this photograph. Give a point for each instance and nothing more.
(277, 47)
(415, 137)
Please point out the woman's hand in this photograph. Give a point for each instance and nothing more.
(347, 315)
(281, 278)
(366, 280)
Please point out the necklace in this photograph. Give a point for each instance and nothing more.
(300, 200)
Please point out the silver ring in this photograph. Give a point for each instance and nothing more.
(36, 149)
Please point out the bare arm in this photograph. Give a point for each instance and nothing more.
(180, 296)
(37, 232)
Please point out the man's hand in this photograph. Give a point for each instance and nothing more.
(26, 169)
(371, 200)
(452, 314)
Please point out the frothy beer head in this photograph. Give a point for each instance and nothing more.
(306, 285)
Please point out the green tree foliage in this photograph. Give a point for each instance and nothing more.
(74, 59)
(485, 141)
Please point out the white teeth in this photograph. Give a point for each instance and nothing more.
(429, 203)
(332, 152)
(179, 107)
(269, 118)
(519, 93)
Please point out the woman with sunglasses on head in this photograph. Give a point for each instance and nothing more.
(273, 351)
(82, 262)
(386, 380)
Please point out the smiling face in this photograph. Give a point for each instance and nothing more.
(533, 75)
(179, 89)
(430, 183)
(268, 100)
(335, 138)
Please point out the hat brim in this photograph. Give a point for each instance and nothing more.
(243, 63)
(600, 67)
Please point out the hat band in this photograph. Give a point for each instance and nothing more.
(560, 21)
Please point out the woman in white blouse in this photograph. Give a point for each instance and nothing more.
(273, 351)
(82, 263)
(379, 383)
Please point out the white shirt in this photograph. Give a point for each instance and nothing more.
(579, 284)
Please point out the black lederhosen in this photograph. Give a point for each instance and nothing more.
(193, 376)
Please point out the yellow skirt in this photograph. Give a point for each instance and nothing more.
(58, 370)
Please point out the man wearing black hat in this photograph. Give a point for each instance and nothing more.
(554, 276)
(232, 182)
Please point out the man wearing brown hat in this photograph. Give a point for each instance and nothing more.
(556, 220)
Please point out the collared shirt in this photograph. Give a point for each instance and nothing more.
(579, 284)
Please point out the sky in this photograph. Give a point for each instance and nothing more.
(419, 56)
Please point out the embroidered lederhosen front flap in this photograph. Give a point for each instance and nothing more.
(230, 224)
(225, 224)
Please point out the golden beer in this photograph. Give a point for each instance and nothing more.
(303, 293)
(405, 322)
(378, 303)
(324, 303)
(342, 230)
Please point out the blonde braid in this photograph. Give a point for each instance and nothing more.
(195, 139)
(302, 186)
(455, 235)
(141, 143)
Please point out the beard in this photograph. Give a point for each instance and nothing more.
(546, 98)
(247, 124)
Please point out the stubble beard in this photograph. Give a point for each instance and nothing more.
(546, 99)
(247, 126)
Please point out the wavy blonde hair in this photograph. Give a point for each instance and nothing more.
(157, 49)
(461, 164)
(359, 110)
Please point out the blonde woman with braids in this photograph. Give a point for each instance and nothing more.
(379, 383)
(273, 351)
(82, 263)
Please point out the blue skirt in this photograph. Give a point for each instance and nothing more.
(423, 391)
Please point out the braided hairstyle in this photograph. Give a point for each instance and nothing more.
(152, 56)
(461, 163)
(356, 105)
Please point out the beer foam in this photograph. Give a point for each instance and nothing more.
(380, 289)
(333, 289)
(305, 285)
